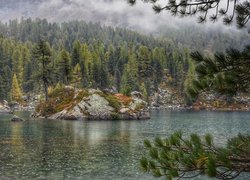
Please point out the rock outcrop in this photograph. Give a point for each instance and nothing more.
(4, 108)
(72, 104)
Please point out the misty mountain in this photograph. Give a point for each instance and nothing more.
(108, 12)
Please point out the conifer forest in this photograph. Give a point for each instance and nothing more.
(124, 89)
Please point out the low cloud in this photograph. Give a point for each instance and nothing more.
(109, 12)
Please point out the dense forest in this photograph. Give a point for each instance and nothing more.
(93, 56)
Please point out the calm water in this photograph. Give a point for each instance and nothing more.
(45, 149)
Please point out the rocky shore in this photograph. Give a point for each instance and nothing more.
(167, 99)
(72, 104)
(4, 107)
(215, 102)
(170, 99)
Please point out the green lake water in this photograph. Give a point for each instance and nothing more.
(54, 149)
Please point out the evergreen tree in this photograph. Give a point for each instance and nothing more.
(129, 81)
(42, 54)
(2, 89)
(104, 82)
(144, 63)
(86, 62)
(118, 80)
(76, 54)
(16, 92)
(144, 91)
(65, 67)
(28, 83)
(76, 76)
(189, 90)
(5, 84)
(17, 64)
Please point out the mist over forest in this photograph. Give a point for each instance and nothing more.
(119, 13)
(140, 17)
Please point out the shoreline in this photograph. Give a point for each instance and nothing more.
(195, 109)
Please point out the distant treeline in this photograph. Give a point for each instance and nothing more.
(90, 55)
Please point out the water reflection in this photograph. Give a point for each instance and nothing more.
(17, 138)
(95, 133)
(46, 149)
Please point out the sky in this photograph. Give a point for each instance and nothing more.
(140, 17)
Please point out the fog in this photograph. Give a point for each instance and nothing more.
(140, 17)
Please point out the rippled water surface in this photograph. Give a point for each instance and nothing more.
(53, 149)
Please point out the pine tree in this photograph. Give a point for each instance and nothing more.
(5, 84)
(104, 82)
(17, 64)
(117, 80)
(65, 67)
(42, 54)
(2, 89)
(144, 91)
(144, 63)
(76, 76)
(86, 62)
(16, 92)
(28, 83)
(76, 54)
(190, 90)
(129, 81)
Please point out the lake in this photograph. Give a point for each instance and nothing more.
(54, 149)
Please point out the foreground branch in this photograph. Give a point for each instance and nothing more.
(234, 10)
(188, 158)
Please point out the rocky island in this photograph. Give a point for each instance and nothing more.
(69, 103)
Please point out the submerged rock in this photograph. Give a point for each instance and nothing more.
(16, 119)
(72, 104)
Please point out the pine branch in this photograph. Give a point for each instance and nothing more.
(240, 13)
